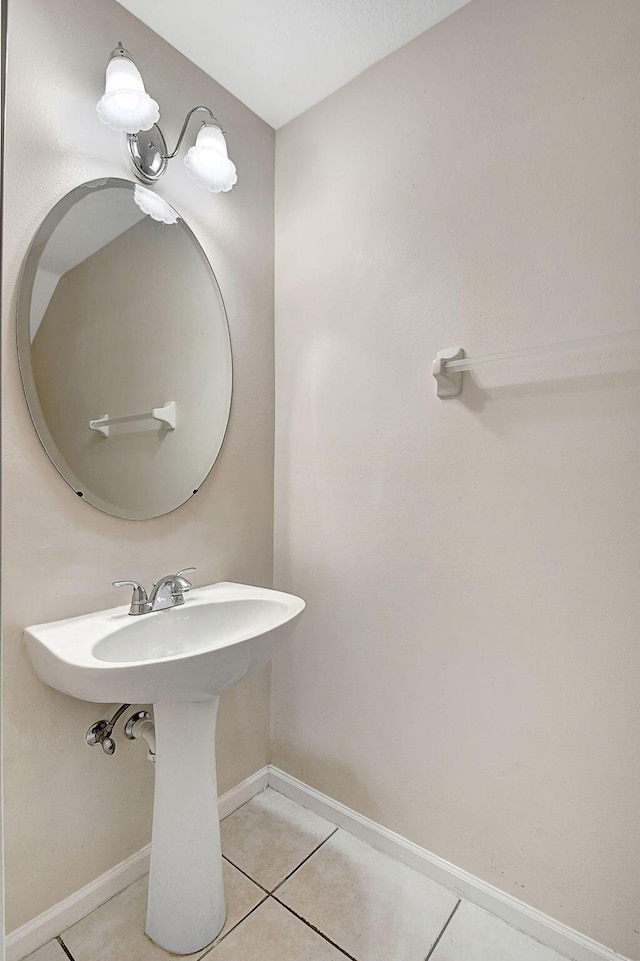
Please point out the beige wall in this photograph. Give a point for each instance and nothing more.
(70, 812)
(467, 669)
(2, 108)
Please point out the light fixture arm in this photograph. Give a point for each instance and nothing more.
(213, 120)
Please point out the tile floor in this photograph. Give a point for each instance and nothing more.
(300, 889)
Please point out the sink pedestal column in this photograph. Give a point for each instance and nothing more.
(186, 908)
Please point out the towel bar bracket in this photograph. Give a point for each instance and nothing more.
(448, 383)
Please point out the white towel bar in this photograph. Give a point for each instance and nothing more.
(450, 363)
(166, 414)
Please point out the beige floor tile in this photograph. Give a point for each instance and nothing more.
(270, 836)
(272, 933)
(115, 930)
(51, 951)
(368, 904)
(474, 935)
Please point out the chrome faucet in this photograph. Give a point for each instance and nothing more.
(167, 592)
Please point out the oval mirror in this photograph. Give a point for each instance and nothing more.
(124, 349)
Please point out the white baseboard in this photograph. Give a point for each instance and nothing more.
(243, 792)
(32, 935)
(45, 926)
(523, 917)
(541, 927)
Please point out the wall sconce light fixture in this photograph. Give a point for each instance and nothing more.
(126, 106)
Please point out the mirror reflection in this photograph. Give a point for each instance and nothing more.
(124, 349)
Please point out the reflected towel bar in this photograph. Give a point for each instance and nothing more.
(166, 414)
(450, 363)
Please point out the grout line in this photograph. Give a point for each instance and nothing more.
(446, 925)
(64, 948)
(313, 928)
(280, 883)
(248, 876)
(204, 956)
(297, 868)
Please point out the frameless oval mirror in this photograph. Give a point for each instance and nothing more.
(124, 349)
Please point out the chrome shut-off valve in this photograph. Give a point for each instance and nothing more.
(100, 732)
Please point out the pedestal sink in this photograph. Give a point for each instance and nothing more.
(180, 660)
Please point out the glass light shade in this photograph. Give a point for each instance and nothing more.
(125, 105)
(153, 205)
(208, 163)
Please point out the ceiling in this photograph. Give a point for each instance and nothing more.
(280, 57)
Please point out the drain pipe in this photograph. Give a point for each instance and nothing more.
(141, 725)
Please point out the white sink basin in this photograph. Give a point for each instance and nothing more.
(187, 653)
(179, 660)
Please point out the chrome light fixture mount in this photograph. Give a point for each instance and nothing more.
(148, 148)
(127, 107)
(148, 153)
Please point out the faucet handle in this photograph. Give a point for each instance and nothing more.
(139, 592)
(181, 581)
(139, 600)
